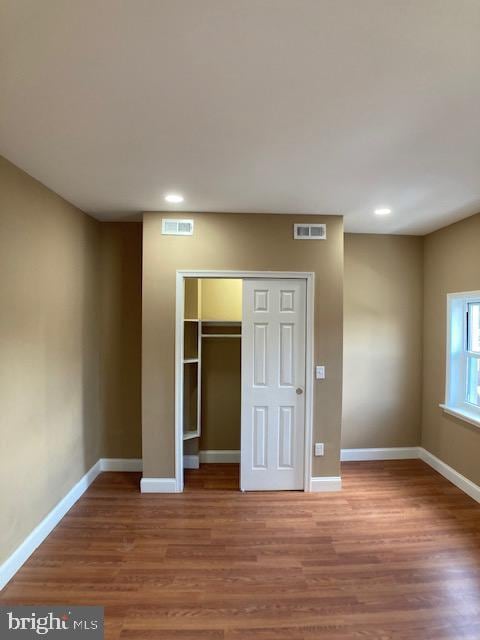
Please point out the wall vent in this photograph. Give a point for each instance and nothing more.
(310, 231)
(177, 227)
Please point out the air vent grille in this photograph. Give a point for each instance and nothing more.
(310, 231)
(177, 227)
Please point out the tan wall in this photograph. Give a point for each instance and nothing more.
(49, 351)
(221, 394)
(121, 251)
(192, 300)
(70, 348)
(243, 242)
(452, 264)
(383, 312)
(221, 299)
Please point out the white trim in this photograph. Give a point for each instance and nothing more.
(392, 453)
(240, 275)
(121, 464)
(325, 483)
(220, 456)
(191, 462)
(462, 414)
(181, 274)
(158, 485)
(309, 390)
(41, 531)
(456, 478)
(199, 367)
(179, 329)
(470, 296)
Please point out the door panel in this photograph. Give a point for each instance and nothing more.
(287, 374)
(286, 432)
(260, 346)
(260, 429)
(273, 382)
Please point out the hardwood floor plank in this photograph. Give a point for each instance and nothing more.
(394, 556)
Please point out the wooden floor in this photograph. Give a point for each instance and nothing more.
(395, 555)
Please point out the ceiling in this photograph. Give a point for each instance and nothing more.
(303, 106)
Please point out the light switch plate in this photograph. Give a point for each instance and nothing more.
(319, 449)
(320, 372)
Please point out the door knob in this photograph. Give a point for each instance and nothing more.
(299, 391)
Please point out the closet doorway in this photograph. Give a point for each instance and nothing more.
(243, 414)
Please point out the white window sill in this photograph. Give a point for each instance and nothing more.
(464, 414)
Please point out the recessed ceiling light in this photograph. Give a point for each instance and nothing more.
(382, 211)
(174, 198)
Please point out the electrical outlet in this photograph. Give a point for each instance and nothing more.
(319, 449)
(320, 372)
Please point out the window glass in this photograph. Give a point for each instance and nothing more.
(473, 381)
(474, 326)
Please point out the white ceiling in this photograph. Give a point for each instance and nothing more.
(308, 106)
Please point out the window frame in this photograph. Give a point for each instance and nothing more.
(458, 357)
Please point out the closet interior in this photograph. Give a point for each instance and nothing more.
(212, 369)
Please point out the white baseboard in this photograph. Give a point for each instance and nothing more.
(21, 554)
(220, 456)
(158, 485)
(391, 453)
(10, 567)
(404, 453)
(326, 483)
(463, 483)
(121, 464)
(191, 462)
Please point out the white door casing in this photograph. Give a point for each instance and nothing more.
(273, 384)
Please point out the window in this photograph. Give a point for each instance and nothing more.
(462, 396)
(473, 353)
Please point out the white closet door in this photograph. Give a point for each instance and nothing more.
(273, 383)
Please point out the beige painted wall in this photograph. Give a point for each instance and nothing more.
(221, 394)
(221, 299)
(192, 299)
(70, 348)
(121, 324)
(452, 264)
(50, 425)
(243, 242)
(383, 313)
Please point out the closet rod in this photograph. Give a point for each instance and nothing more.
(221, 335)
(219, 323)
